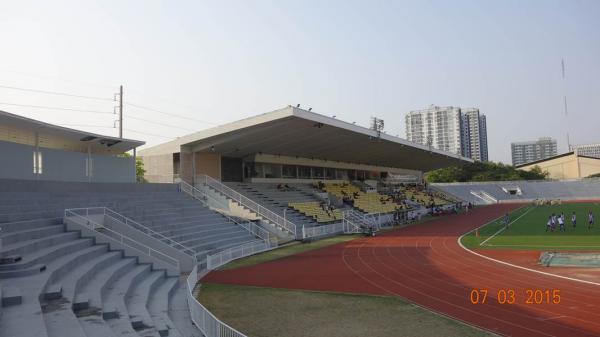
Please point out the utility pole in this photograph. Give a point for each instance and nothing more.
(121, 112)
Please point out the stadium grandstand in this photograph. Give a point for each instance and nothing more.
(298, 170)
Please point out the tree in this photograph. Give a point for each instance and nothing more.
(140, 171)
(483, 171)
(139, 168)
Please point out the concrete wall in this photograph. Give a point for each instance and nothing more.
(209, 164)
(58, 165)
(559, 168)
(159, 168)
(588, 166)
(568, 167)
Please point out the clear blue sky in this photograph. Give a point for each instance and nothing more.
(223, 60)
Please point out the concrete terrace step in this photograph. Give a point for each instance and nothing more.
(179, 312)
(158, 307)
(191, 227)
(219, 244)
(9, 227)
(31, 264)
(76, 258)
(208, 232)
(31, 234)
(137, 299)
(26, 247)
(114, 309)
(216, 237)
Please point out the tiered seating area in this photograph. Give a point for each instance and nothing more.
(55, 283)
(566, 190)
(279, 200)
(313, 209)
(366, 202)
(424, 197)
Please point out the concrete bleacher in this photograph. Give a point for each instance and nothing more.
(529, 190)
(53, 282)
(314, 210)
(367, 202)
(279, 200)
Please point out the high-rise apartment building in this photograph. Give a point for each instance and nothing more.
(452, 129)
(526, 152)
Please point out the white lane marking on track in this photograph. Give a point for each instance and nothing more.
(550, 318)
(363, 262)
(505, 227)
(516, 266)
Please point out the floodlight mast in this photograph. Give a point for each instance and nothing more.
(377, 125)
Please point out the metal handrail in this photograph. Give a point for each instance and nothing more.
(94, 226)
(260, 232)
(225, 256)
(205, 321)
(147, 230)
(251, 204)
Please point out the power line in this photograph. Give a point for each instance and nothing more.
(55, 108)
(149, 134)
(169, 113)
(158, 123)
(87, 126)
(57, 93)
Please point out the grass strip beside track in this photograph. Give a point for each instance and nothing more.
(293, 248)
(268, 312)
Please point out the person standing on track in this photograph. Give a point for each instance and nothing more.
(590, 220)
(561, 222)
(574, 219)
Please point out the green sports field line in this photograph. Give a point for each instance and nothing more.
(505, 227)
(528, 230)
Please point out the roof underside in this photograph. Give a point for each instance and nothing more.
(304, 134)
(57, 134)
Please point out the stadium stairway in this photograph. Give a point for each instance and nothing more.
(277, 201)
(56, 283)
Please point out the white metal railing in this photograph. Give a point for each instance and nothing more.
(249, 203)
(251, 227)
(85, 221)
(223, 257)
(142, 228)
(316, 231)
(204, 320)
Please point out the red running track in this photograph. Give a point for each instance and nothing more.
(425, 265)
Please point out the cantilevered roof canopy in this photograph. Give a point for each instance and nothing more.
(22, 129)
(296, 132)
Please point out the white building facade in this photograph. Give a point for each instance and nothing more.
(530, 151)
(452, 129)
(588, 150)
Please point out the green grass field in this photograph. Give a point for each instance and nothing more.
(267, 312)
(528, 231)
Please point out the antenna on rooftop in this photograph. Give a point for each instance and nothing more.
(562, 64)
